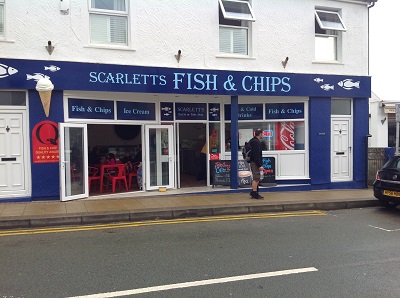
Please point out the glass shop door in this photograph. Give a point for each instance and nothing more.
(73, 162)
(160, 158)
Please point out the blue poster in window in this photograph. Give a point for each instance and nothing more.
(284, 110)
(190, 111)
(246, 112)
(214, 111)
(90, 109)
(167, 111)
(135, 111)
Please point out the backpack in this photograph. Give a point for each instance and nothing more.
(246, 151)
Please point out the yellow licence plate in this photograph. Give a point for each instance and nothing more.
(391, 193)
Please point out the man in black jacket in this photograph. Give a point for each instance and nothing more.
(256, 163)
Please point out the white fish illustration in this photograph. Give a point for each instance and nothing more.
(52, 68)
(348, 84)
(327, 87)
(36, 76)
(318, 80)
(165, 108)
(6, 71)
(214, 109)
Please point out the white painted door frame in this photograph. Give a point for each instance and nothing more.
(15, 180)
(341, 150)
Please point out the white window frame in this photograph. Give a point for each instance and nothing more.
(245, 20)
(328, 44)
(324, 25)
(2, 17)
(237, 16)
(110, 13)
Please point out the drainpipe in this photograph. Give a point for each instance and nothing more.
(370, 5)
(366, 159)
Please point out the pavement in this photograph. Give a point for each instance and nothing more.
(170, 205)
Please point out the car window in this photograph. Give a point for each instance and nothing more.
(393, 163)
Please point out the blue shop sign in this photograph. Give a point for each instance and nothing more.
(246, 112)
(284, 110)
(167, 111)
(23, 74)
(90, 109)
(135, 111)
(190, 111)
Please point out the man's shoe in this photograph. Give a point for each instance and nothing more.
(256, 196)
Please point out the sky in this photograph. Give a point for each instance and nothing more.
(384, 55)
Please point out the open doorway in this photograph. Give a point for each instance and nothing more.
(121, 143)
(192, 167)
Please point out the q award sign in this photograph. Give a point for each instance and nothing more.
(397, 112)
(45, 142)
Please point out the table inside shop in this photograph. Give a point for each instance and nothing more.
(102, 170)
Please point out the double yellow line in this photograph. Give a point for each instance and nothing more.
(158, 222)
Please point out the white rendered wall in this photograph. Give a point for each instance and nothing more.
(159, 28)
(378, 125)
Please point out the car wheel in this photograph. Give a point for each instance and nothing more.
(389, 204)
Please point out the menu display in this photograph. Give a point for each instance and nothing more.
(221, 173)
(268, 164)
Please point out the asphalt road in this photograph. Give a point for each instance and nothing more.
(344, 253)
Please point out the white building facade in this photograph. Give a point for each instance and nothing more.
(159, 75)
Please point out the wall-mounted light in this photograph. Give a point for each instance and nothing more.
(383, 120)
(178, 56)
(49, 47)
(284, 62)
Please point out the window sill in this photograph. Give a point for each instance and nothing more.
(110, 47)
(3, 39)
(328, 62)
(234, 56)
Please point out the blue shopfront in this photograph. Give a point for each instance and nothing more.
(315, 127)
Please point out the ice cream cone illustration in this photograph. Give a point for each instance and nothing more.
(45, 87)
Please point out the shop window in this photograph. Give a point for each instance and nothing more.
(1, 17)
(108, 22)
(328, 34)
(213, 140)
(12, 98)
(235, 19)
(280, 135)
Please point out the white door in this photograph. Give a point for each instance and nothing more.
(12, 154)
(73, 161)
(159, 157)
(341, 169)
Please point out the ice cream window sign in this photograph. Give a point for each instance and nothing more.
(45, 87)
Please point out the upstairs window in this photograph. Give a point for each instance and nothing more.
(1, 17)
(235, 17)
(328, 28)
(108, 22)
